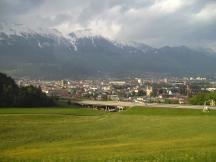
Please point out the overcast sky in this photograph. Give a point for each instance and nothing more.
(154, 22)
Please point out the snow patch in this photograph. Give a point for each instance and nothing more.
(73, 40)
(39, 45)
(23, 31)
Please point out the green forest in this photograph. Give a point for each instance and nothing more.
(11, 95)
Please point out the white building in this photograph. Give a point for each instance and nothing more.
(149, 90)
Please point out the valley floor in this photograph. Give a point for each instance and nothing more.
(137, 134)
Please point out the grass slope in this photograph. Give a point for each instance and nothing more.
(138, 134)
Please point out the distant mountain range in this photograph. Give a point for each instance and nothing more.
(48, 54)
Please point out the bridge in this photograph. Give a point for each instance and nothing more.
(119, 106)
(105, 105)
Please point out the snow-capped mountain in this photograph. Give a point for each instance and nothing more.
(9, 32)
(47, 53)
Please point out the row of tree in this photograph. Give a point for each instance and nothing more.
(202, 98)
(13, 96)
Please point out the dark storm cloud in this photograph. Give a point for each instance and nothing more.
(156, 22)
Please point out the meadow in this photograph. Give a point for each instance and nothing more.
(77, 134)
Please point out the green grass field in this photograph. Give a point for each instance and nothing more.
(138, 134)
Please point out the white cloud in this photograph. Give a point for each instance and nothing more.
(66, 27)
(208, 13)
(167, 6)
(109, 30)
(97, 27)
(157, 22)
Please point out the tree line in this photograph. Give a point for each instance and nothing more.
(11, 95)
(202, 98)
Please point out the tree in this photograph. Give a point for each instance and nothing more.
(202, 97)
(69, 102)
(141, 93)
(8, 91)
(33, 97)
(29, 96)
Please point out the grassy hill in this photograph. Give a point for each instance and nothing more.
(138, 134)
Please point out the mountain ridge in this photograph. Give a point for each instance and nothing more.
(50, 54)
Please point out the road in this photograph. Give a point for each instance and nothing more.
(131, 104)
